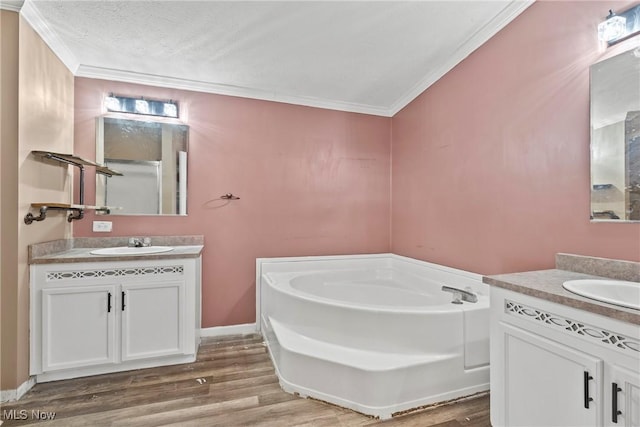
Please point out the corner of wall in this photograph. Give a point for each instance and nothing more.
(9, 195)
(391, 184)
(45, 98)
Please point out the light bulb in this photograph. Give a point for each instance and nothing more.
(612, 29)
(170, 110)
(112, 103)
(142, 106)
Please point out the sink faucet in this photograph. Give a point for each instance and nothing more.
(460, 295)
(139, 242)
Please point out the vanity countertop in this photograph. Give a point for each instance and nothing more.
(547, 285)
(83, 255)
(78, 249)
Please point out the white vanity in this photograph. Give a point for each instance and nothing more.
(94, 314)
(558, 359)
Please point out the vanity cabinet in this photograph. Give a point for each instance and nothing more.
(553, 365)
(536, 368)
(625, 396)
(152, 319)
(92, 318)
(78, 328)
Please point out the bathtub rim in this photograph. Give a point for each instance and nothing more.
(390, 257)
(447, 307)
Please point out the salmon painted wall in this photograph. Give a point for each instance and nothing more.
(490, 169)
(311, 182)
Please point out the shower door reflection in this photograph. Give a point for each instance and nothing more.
(152, 156)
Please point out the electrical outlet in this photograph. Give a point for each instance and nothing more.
(102, 226)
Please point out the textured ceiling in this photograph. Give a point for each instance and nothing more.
(366, 56)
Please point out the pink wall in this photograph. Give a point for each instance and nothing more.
(490, 169)
(311, 182)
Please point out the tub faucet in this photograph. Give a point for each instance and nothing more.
(138, 242)
(460, 295)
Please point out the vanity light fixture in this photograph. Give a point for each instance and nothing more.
(618, 27)
(147, 107)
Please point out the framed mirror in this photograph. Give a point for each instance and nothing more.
(615, 138)
(152, 157)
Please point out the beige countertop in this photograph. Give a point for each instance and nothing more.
(84, 255)
(547, 285)
(78, 249)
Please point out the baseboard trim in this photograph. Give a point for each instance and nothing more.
(10, 395)
(217, 331)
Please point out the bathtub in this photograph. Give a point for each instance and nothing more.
(373, 333)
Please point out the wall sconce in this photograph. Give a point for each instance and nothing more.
(147, 107)
(618, 27)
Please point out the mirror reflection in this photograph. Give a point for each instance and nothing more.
(615, 138)
(152, 156)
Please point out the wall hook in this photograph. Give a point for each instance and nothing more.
(229, 196)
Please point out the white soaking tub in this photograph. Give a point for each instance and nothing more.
(373, 333)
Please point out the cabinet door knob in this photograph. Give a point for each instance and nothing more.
(108, 302)
(587, 399)
(614, 403)
(123, 301)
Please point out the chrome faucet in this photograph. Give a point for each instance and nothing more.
(460, 295)
(139, 242)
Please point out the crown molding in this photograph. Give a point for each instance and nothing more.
(221, 89)
(31, 14)
(11, 5)
(508, 14)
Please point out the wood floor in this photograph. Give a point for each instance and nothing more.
(232, 383)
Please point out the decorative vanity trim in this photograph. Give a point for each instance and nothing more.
(546, 285)
(572, 326)
(114, 272)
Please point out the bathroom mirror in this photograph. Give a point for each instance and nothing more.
(615, 138)
(152, 157)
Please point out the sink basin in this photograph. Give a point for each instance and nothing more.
(618, 292)
(131, 251)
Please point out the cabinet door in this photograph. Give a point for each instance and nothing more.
(545, 382)
(152, 319)
(624, 386)
(78, 327)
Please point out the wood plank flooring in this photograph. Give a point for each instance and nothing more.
(232, 383)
